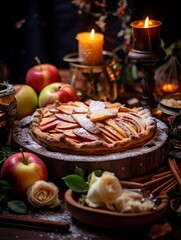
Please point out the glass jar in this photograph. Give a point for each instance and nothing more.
(7, 111)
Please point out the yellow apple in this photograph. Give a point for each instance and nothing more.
(27, 100)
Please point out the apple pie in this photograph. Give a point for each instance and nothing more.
(91, 127)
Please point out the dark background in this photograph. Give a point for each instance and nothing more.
(47, 29)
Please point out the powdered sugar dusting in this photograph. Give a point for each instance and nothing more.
(160, 136)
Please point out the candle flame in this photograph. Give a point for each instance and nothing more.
(168, 87)
(92, 34)
(146, 22)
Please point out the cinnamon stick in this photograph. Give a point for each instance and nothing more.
(155, 182)
(170, 187)
(143, 178)
(162, 186)
(129, 184)
(158, 175)
(35, 223)
(175, 170)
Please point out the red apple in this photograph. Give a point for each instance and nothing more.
(22, 170)
(63, 92)
(41, 75)
(27, 100)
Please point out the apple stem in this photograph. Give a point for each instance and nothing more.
(24, 159)
(38, 61)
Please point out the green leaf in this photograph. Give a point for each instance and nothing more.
(4, 185)
(98, 173)
(17, 206)
(5, 153)
(80, 172)
(76, 183)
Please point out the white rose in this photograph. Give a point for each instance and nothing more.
(104, 191)
(43, 194)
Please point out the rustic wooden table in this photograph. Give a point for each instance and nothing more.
(78, 230)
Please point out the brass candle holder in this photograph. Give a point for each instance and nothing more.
(147, 52)
(94, 82)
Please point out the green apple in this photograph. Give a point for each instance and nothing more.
(27, 100)
(62, 92)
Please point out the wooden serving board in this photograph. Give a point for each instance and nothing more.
(126, 164)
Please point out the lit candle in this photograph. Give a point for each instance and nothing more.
(146, 35)
(170, 87)
(90, 47)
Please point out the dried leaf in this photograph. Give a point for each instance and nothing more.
(160, 230)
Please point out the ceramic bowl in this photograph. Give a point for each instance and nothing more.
(175, 205)
(166, 107)
(113, 220)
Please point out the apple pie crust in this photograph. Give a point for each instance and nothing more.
(91, 127)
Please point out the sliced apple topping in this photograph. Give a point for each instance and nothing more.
(78, 104)
(125, 109)
(48, 114)
(107, 138)
(113, 124)
(54, 110)
(81, 132)
(96, 106)
(86, 123)
(66, 125)
(46, 120)
(69, 133)
(65, 117)
(59, 130)
(68, 109)
(112, 106)
(49, 126)
(107, 126)
(110, 132)
(134, 119)
(81, 109)
(102, 115)
(128, 126)
(126, 130)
